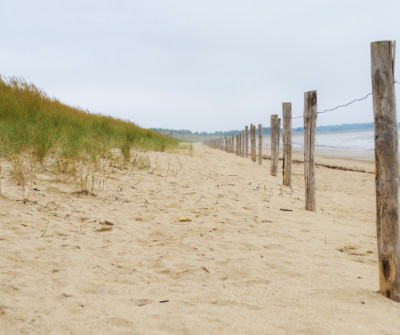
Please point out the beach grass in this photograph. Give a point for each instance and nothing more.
(32, 122)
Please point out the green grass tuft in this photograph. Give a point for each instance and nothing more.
(32, 122)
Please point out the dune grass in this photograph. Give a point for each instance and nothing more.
(32, 122)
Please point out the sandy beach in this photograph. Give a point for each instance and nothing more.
(201, 242)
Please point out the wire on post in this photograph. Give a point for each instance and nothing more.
(340, 106)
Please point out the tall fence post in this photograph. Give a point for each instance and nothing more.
(253, 142)
(247, 141)
(240, 144)
(260, 144)
(236, 144)
(274, 144)
(310, 122)
(287, 143)
(386, 168)
(243, 137)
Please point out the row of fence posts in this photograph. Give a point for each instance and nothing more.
(386, 160)
(239, 144)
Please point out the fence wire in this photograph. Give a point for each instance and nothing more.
(345, 105)
(341, 106)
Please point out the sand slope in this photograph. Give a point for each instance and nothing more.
(252, 261)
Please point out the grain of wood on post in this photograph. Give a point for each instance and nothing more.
(386, 168)
(310, 122)
(287, 143)
(274, 144)
(260, 144)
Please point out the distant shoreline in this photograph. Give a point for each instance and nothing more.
(184, 133)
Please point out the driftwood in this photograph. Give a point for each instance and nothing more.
(334, 167)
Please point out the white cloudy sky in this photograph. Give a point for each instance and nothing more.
(200, 65)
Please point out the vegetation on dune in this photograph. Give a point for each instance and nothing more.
(32, 122)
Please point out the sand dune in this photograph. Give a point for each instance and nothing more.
(250, 261)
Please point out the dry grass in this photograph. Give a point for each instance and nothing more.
(38, 132)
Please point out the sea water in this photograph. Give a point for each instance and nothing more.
(359, 141)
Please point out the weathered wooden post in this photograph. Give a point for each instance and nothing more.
(287, 143)
(274, 144)
(247, 141)
(260, 144)
(310, 123)
(233, 144)
(236, 144)
(253, 143)
(243, 138)
(386, 168)
(240, 144)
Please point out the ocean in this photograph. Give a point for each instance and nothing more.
(358, 141)
(349, 141)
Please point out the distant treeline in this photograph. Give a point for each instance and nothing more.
(267, 130)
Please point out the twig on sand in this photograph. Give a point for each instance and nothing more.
(45, 230)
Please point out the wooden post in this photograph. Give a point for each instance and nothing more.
(247, 141)
(243, 138)
(310, 123)
(235, 151)
(386, 168)
(240, 144)
(237, 144)
(274, 144)
(233, 144)
(260, 144)
(253, 143)
(287, 143)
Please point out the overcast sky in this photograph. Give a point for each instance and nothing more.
(200, 65)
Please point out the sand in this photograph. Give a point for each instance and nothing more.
(251, 261)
